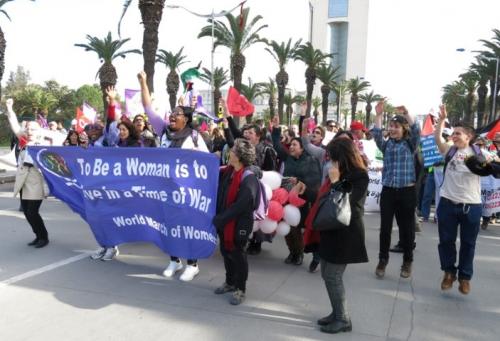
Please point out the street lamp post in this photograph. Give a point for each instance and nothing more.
(211, 16)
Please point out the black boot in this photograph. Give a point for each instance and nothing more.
(337, 327)
(42, 243)
(254, 247)
(34, 242)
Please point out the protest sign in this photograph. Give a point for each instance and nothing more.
(430, 150)
(490, 195)
(163, 196)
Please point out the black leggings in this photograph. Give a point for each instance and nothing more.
(31, 210)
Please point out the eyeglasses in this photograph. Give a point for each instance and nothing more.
(177, 113)
(332, 126)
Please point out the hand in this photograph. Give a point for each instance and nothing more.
(300, 188)
(223, 106)
(293, 180)
(9, 103)
(111, 94)
(305, 125)
(276, 121)
(180, 101)
(379, 108)
(442, 112)
(225, 124)
(401, 110)
(334, 173)
(142, 77)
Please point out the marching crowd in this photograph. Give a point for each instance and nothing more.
(314, 161)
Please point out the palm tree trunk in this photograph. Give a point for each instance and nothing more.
(482, 93)
(281, 95)
(3, 45)
(325, 92)
(310, 80)
(151, 13)
(468, 109)
(368, 113)
(238, 62)
(217, 96)
(354, 104)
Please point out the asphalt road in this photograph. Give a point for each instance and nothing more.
(59, 293)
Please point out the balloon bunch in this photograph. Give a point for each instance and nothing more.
(283, 210)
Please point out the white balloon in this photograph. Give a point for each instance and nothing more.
(292, 215)
(283, 228)
(269, 191)
(267, 225)
(255, 225)
(271, 178)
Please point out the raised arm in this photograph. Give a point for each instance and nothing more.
(156, 120)
(442, 146)
(377, 130)
(317, 152)
(11, 116)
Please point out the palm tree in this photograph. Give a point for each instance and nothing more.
(327, 74)
(3, 42)
(288, 100)
(316, 103)
(107, 50)
(151, 13)
(454, 96)
(340, 90)
(482, 91)
(312, 58)
(220, 78)
(172, 61)
(470, 80)
(489, 58)
(282, 53)
(251, 92)
(271, 90)
(356, 86)
(369, 98)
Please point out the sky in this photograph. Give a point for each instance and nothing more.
(411, 43)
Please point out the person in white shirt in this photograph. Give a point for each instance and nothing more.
(460, 204)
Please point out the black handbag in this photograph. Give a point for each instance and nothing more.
(334, 211)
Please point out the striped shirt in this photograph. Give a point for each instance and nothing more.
(399, 164)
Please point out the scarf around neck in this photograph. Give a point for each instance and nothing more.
(178, 137)
(232, 193)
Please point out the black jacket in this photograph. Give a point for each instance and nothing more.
(348, 245)
(306, 168)
(242, 209)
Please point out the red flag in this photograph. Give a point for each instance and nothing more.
(428, 127)
(237, 104)
(81, 120)
(495, 129)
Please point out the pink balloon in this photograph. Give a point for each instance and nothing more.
(280, 195)
(275, 211)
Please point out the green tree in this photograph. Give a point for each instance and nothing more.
(312, 58)
(355, 86)
(470, 80)
(328, 75)
(289, 101)
(270, 90)
(369, 98)
(107, 50)
(316, 103)
(172, 62)
(489, 58)
(17, 81)
(90, 94)
(151, 13)
(220, 78)
(454, 96)
(251, 92)
(482, 91)
(238, 35)
(282, 53)
(339, 89)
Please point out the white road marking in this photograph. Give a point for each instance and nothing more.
(44, 269)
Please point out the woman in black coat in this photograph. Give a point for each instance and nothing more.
(337, 248)
(238, 197)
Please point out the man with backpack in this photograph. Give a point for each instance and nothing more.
(460, 204)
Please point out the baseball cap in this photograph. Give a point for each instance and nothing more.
(399, 119)
(357, 125)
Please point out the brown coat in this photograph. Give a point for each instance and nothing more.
(29, 180)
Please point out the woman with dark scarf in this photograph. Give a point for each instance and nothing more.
(128, 136)
(237, 198)
(176, 133)
(337, 248)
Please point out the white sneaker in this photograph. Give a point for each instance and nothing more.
(172, 268)
(98, 253)
(189, 273)
(111, 252)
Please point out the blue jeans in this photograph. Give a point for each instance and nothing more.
(450, 215)
(429, 190)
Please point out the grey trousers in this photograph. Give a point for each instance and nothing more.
(332, 275)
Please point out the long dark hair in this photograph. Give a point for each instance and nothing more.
(345, 152)
(133, 135)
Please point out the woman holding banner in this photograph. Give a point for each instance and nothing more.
(29, 181)
(238, 197)
(175, 133)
